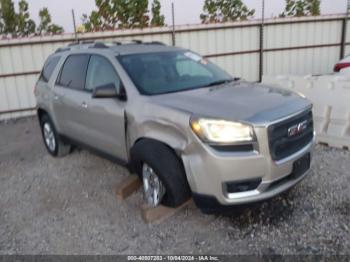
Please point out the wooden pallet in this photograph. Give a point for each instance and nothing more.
(128, 186)
(160, 213)
(149, 214)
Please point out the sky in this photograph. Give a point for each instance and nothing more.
(186, 11)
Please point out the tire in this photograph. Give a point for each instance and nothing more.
(60, 148)
(167, 166)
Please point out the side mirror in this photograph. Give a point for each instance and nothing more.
(105, 91)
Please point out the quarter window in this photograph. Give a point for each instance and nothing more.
(101, 72)
(49, 66)
(74, 72)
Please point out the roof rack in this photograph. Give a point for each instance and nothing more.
(62, 49)
(94, 44)
(99, 45)
(154, 43)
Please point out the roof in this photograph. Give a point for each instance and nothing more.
(122, 48)
(144, 48)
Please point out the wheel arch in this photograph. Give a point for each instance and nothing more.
(40, 112)
(134, 165)
(175, 178)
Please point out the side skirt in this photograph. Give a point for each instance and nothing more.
(96, 151)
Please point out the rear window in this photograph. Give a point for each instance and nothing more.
(74, 71)
(49, 66)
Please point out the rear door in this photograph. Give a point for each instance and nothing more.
(69, 96)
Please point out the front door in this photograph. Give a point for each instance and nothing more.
(103, 118)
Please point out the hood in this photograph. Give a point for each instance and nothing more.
(236, 101)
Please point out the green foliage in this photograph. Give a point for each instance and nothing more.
(219, 11)
(46, 26)
(25, 25)
(20, 24)
(138, 14)
(8, 17)
(301, 8)
(113, 14)
(157, 17)
(103, 19)
(55, 29)
(1, 22)
(45, 20)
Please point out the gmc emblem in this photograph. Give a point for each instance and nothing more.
(297, 129)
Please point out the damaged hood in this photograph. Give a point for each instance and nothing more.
(236, 101)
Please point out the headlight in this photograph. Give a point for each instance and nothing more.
(221, 131)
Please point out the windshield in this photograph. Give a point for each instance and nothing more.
(166, 72)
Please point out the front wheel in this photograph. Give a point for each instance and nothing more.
(153, 187)
(162, 173)
(54, 145)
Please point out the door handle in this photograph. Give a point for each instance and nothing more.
(84, 105)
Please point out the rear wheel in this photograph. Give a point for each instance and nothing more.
(162, 173)
(54, 145)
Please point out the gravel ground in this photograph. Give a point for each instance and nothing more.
(67, 206)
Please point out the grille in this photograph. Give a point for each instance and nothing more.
(283, 144)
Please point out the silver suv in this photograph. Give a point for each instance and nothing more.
(184, 125)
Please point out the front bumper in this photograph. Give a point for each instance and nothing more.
(208, 172)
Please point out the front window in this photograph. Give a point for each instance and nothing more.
(166, 72)
(100, 72)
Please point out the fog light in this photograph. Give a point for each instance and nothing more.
(241, 186)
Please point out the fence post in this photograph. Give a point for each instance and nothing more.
(173, 25)
(261, 43)
(343, 37)
(344, 30)
(75, 27)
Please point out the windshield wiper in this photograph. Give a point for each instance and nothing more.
(220, 82)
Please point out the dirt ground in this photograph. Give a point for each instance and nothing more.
(68, 206)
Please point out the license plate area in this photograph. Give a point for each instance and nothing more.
(301, 165)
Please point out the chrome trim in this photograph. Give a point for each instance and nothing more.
(296, 154)
(243, 194)
(263, 193)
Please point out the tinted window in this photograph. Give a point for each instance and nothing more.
(74, 71)
(100, 72)
(49, 66)
(165, 72)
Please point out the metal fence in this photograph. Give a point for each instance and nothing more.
(249, 49)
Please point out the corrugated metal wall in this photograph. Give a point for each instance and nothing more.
(290, 46)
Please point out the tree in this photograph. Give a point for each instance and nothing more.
(301, 8)
(219, 11)
(8, 17)
(113, 14)
(20, 24)
(138, 14)
(46, 26)
(157, 17)
(92, 22)
(102, 19)
(1, 23)
(25, 25)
